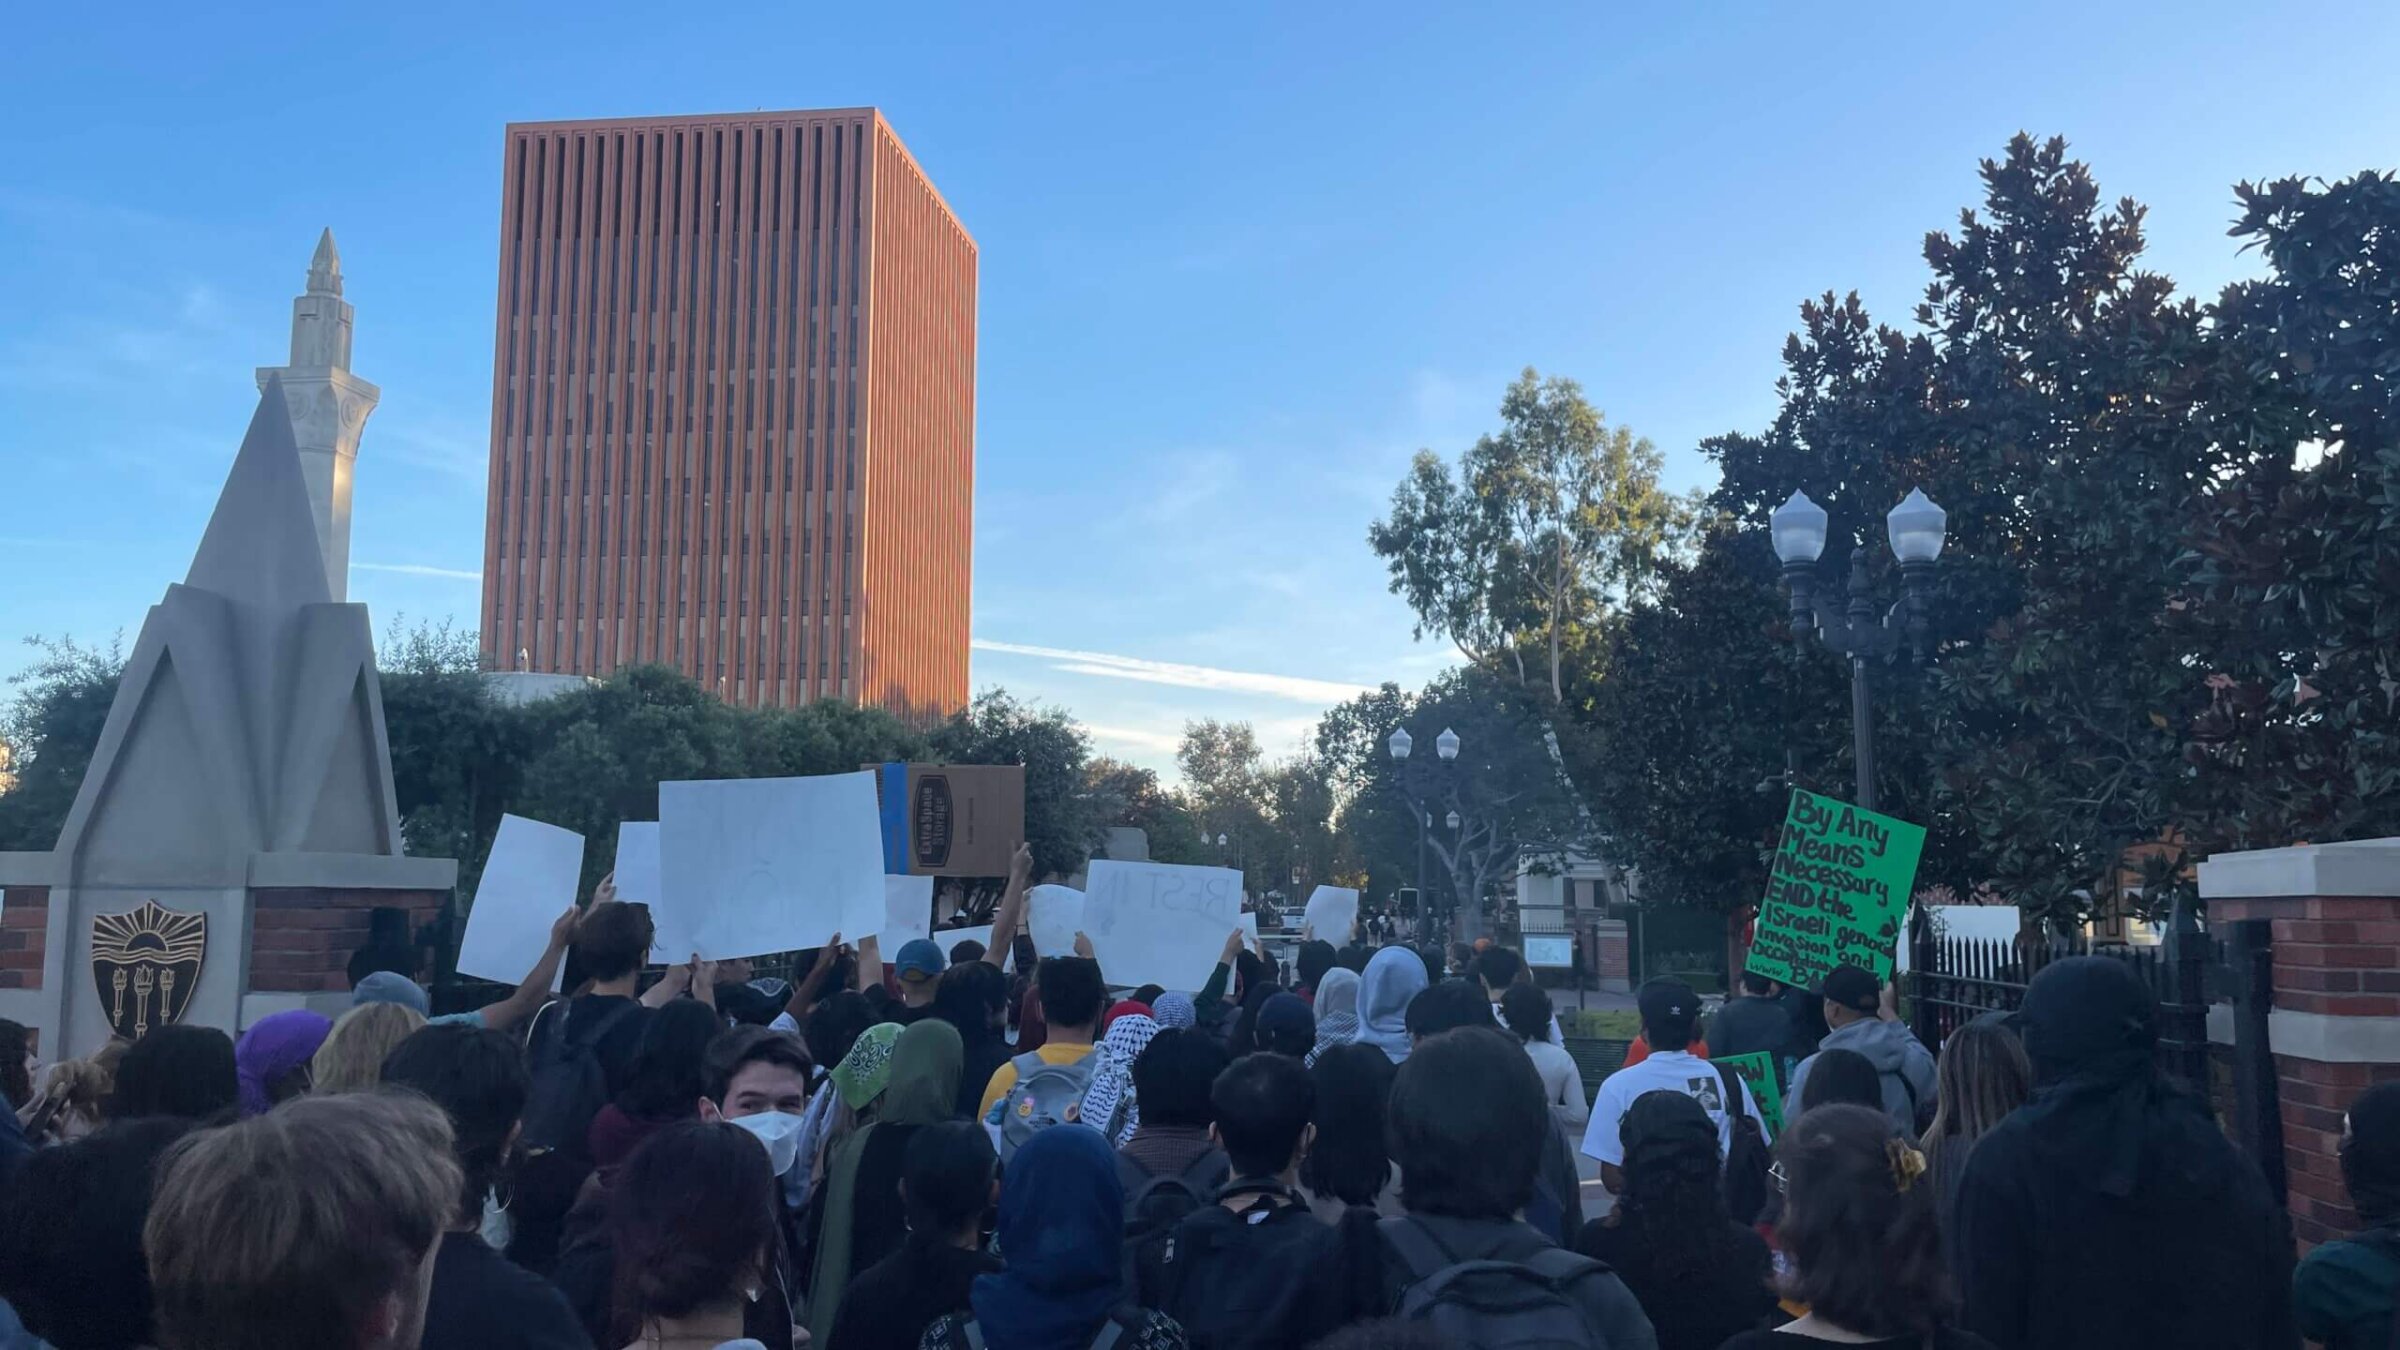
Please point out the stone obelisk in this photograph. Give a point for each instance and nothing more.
(329, 406)
(237, 829)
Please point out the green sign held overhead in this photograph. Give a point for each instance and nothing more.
(1837, 892)
(1758, 1072)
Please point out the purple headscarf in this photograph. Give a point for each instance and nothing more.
(273, 1047)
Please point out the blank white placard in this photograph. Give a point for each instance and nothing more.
(1159, 923)
(1054, 915)
(907, 913)
(527, 882)
(950, 937)
(751, 865)
(1333, 914)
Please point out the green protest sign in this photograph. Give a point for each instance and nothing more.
(1837, 891)
(1758, 1071)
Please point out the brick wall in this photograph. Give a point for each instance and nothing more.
(1613, 959)
(24, 936)
(2314, 1096)
(301, 939)
(2338, 956)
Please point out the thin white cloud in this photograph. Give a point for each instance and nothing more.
(1298, 688)
(418, 570)
(1166, 742)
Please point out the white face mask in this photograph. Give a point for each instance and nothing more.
(780, 1132)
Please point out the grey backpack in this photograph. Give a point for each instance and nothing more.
(1040, 1099)
(1494, 1304)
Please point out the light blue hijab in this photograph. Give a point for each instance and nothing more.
(1395, 976)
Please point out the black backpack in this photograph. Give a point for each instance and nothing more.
(568, 1085)
(1154, 1205)
(1494, 1304)
(1243, 1281)
(1748, 1162)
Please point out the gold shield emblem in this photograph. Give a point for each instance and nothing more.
(146, 964)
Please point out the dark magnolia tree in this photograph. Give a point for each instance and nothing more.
(1543, 524)
(2295, 562)
(2051, 400)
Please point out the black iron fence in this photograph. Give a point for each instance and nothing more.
(1957, 979)
(1954, 980)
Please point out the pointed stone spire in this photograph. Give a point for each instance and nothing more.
(325, 269)
(321, 318)
(260, 548)
(329, 405)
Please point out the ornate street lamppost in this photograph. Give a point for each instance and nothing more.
(1916, 530)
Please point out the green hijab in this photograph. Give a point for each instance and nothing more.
(918, 1086)
(866, 1071)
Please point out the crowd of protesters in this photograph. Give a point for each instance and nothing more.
(1376, 1148)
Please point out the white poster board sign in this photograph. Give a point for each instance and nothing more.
(1332, 914)
(751, 865)
(1550, 952)
(947, 938)
(637, 863)
(1159, 923)
(907, 913)
(528, 881)
(1054, 915)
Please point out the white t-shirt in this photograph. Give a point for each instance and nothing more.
(1671, 1071)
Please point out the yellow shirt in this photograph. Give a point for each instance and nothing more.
(1004, 1078)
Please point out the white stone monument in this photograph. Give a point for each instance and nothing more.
(329, 406)
(237, 825)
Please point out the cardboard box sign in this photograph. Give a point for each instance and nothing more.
(950, 820)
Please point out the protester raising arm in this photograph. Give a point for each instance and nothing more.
(670, 985)
(1213, 992)
(870, 964)
(1010, 916)
(535, 990)
(812, 986)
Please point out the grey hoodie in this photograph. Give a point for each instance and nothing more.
(1905, 1064)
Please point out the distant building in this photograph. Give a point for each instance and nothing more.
(733, 409)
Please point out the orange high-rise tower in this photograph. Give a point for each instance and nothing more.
(733, 410)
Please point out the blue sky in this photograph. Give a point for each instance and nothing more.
(1238, 261)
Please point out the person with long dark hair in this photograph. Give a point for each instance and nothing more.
(1701, 1276)
(1349, 1166)
(1527, 1012)
(2343, 1292)
(692, 1217)
(16, 1063)
(480, 1300)
(1858, 1222)
(949, 1184)
(2110, 1155)
(177, 1070)
(663, 1082)
(1984, 1075)
(973, 997)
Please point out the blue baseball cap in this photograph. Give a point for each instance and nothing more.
(920, 958)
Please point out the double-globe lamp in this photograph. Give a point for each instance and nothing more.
(1916, 528)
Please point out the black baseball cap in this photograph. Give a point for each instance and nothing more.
(1667, 1002)
(1852, 988)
